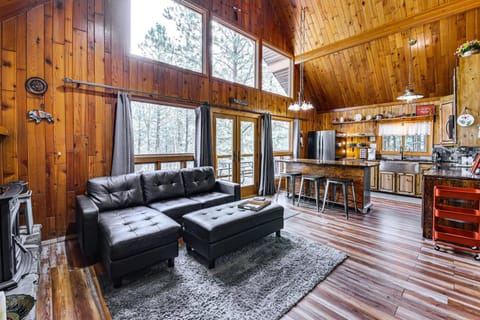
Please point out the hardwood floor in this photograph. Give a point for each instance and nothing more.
(391, 272)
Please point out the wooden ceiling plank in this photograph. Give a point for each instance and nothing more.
(389, 28)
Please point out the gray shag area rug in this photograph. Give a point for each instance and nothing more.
(263, 280)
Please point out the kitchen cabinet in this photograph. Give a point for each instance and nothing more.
(374, 178)
(387, 181)
(405, 183)
(419, 179)
(447, 123)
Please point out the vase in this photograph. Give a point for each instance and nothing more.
(470, 52)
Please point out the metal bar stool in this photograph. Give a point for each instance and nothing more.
(344, 183)
(316, 180)
(290, 179)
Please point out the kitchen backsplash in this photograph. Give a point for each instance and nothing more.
(457, 155)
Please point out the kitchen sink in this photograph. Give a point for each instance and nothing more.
(400, 166)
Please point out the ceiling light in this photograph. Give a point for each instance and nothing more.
(410, 94)
(301, 104)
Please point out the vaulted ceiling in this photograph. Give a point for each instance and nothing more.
(357, 53)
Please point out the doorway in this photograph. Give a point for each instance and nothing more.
(235, 139)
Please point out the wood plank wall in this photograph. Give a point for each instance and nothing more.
(85, 40)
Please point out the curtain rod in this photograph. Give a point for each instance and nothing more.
(151, 94)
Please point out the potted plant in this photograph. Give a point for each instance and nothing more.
(468, 48)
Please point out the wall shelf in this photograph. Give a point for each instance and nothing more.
(351, 122)
(355, 135)
(427, 117)
(3, 131)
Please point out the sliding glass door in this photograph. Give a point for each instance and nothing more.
(235, 150)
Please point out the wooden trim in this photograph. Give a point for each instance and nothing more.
(3, 131)
(422, 18)
(163, 158)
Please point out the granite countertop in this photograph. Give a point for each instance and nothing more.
(341, 163)
(452, 173)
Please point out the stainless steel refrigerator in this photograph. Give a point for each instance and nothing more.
(321, 145)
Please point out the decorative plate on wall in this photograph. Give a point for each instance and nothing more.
(465, 120)
(36, 85)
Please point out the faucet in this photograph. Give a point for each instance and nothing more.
(401, 153)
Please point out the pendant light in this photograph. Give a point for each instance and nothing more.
(410, 94)
(301, 104)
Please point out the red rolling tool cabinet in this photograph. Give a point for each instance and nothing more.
(456, 218)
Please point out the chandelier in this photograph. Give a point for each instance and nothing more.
(410, 94)
(301, 104)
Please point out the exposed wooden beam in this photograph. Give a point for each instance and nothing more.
(10, 8)
(425, 17)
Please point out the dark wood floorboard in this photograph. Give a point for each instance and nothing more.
(391, 272)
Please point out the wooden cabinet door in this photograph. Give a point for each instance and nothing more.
(419, 179)
(406, 183)
(373, 178)
(387, 181)
(447, 123)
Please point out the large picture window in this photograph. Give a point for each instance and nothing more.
(168, 32)
(162, 130)
(276, 72)
(233, 55)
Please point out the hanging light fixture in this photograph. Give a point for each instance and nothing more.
(301, 104)
(410, 94)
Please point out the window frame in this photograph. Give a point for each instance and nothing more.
(429, 144)
(290, 143)
(158, 159)
(290, 74)
(406, 152)
(203, 12)
(246, 35)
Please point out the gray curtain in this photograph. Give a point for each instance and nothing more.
(296, 138)
(123, 154)
(203, 137)
(267, 165)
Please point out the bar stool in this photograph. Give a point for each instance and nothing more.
(290, 178)
(26, 198)
(316, 180)
(344, 182)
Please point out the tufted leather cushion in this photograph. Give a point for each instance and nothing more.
(130, 231)
(198, 180)
(220, 222)
(210, 199)
(162, 185)
(176, 208)
(115, 192)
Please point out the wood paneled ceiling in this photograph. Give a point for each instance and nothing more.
(357, 53)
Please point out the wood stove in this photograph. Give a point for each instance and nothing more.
(15, 260)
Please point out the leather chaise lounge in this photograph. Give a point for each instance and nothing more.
(132, 221)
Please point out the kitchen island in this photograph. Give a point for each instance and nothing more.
(453, 177)
(358, 170)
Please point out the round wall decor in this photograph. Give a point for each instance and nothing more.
(36, 85)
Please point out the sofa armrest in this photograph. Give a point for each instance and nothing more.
(87, 227)
(228, 187)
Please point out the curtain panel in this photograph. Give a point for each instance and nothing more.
(405, 129)
(296, 138)
(203, 137)
(267, 164)
(123, 159)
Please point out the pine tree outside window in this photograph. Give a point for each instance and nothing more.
(168, 32)
(233, 55)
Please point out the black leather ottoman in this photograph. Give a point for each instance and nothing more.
(130, 242)
(215, 231)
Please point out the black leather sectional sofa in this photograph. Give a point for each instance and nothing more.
(132, 221)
